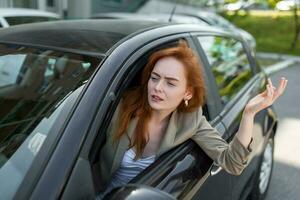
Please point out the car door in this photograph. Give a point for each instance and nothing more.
(179, 172)
(236, 82)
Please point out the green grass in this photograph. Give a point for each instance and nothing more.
(273, 30)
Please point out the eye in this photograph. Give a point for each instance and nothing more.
(153, 78)
(171, 84)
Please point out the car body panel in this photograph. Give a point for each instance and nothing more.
(67, 159)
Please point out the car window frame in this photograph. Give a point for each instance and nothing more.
(187, 144)
(108, 103)
(146, 177)
(114, 91)
(213, 100)
(252, 66)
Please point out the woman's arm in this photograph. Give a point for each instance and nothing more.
(233, 157)
(256, 104)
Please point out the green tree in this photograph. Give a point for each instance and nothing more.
(296, 8)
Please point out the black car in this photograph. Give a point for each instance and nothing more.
(60, 83)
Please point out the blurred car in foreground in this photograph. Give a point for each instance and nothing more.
(15, 16)
(61, 83)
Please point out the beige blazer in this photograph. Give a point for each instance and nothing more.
(231, 157)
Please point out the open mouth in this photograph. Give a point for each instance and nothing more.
(156, 98)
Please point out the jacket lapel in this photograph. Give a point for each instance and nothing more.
(169, 136)
(167, 141)
(123, 145)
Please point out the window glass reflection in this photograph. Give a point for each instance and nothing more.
(229, 64)
(36, 88)
(33, 83)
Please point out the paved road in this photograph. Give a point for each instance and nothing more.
(285, 182)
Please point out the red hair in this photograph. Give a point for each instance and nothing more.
(135, 101)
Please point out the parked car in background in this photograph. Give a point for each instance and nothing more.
(246, 5)
(286, 5)
(61, 83)
(15, 16)
(159, 17)
(214, 19)
(201, 17)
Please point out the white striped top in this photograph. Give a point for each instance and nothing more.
(128, 170)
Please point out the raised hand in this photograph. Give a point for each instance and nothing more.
(266, 98)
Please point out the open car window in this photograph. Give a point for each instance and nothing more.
(111, 126)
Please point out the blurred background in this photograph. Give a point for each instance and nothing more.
(271, 27)
(275, 24)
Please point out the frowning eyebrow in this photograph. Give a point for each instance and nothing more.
(169, 78)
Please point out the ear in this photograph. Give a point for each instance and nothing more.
(188, 94)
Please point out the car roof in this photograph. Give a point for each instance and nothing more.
(93, 37)
(13, 12)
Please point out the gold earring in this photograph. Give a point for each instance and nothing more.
(186, 102)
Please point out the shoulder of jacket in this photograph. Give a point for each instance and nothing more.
(191, 117)
(199, 113)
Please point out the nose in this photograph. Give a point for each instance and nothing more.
(158, 86)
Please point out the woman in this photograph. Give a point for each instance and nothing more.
(164, 111)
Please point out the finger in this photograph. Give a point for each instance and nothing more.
(272, 95)
(270, 83)
(281, 86)
(271, 89)
(285, 84)
(269, 92)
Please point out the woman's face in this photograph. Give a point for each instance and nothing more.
(167, 86)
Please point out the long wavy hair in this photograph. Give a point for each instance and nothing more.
(135, 101)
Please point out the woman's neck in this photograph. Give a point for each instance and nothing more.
(160, 118)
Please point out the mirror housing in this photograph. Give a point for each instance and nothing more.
(136, 192)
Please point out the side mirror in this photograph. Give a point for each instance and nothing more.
(136, 192)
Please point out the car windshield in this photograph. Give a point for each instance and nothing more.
(35, 86)
(28, 19)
